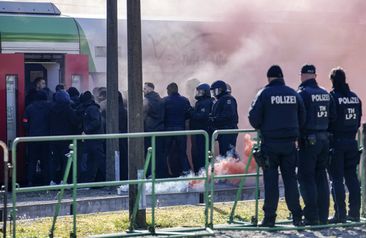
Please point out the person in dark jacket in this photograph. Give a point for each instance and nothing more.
(36, 122)
(39, 84)
(123, 145)
(224, 115)
(74, 97)
(154, 121)
(93, 149)
(177, 111)
(199, 121)
(345, 155)
(63, 121)
(278, 112)
(314, 148)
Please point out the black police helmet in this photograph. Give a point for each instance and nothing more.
(218, 87)
(219, 84)
(203, 90)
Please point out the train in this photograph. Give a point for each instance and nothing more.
(37, 40)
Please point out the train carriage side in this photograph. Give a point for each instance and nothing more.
(50, 46)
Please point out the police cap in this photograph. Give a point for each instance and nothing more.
(308, 69)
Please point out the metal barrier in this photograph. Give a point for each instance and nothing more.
(209, 180)
(252, 226)
(205, 230)
(6, 168)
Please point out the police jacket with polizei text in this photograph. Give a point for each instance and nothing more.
(224, 112)
(177, 109)
(201, 113)
(319, 107)
(277, 111)
(349, 113)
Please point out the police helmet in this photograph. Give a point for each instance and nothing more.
(218, 88)
(202, 90)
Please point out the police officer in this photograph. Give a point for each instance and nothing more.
(278, 112)
(345, 155)
(224, 115)
(314, 148)
(199, 121)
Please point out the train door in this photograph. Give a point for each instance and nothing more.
(11, 103)
(76, 71)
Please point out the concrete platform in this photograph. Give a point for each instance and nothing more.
(37, 205)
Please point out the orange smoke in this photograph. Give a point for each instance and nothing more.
(231, 165)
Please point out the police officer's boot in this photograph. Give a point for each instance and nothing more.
(268, 222)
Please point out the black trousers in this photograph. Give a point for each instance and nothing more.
(198, 152)
(58, 160)
(176, 151)
(161, 166)
(38, 164)
(281, 155)
(94, 161)
(343, 167)
(227, 144)
(313, 161)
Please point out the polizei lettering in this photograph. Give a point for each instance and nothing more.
(283, 100)
(348, 100)
(320, 97)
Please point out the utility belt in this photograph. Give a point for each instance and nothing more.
(260, 158)
(311, 138)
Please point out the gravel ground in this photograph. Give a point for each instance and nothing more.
(331, 233)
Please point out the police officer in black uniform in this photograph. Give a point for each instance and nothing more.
(224, 115)
(314, 148)
(199, 121)
(345, 155)
(278, 112)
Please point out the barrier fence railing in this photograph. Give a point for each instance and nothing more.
(242, 176)
(205, 230)
(209, 180)
(252, 226)
(5, 189)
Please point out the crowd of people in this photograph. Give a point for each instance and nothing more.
(306, 134)
(309, 132)
(67, 112)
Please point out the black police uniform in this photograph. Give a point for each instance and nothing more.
(199, 121)
(345, 155)
(154, 121)
(314, 152)
(177, 109)
(278, 112)
(224, 115)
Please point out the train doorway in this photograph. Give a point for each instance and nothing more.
(17, 74)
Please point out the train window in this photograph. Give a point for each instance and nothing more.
(11, 88)
(76, 81)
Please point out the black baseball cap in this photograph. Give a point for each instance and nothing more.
(274, 71)
(308, 69)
